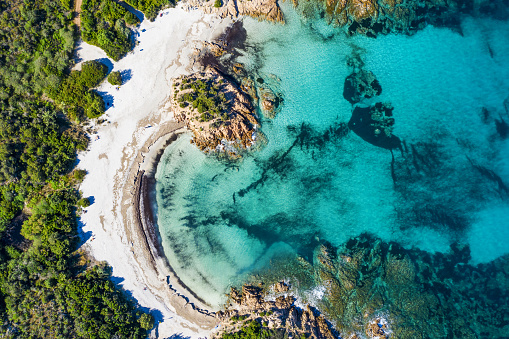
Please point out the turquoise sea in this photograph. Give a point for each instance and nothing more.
(441, 198)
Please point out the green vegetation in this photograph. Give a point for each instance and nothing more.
(115, 78)
(253, 330)
(204, 97)
(151, 7)
(46, 289)
(37, 41)
(104, 24)
(75, 91)
(217, 4)
(33, 150)
(239, 318)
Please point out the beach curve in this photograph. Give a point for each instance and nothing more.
(138, 124)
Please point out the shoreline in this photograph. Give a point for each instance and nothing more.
(118, 226)
(139, 186)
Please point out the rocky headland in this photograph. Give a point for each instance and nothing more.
(367, 17)
(219, 114)
(374, 17)
(268, 10)
(278, 315)
(263, 89)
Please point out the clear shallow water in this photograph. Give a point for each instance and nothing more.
(221, 222)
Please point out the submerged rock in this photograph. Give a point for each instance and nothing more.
(269, 102)
(374, 124)
(411, 293)
(374, 17)
(360, 85)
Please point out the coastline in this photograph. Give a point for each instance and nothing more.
(138, 124)
(140, 225)
(146, 217)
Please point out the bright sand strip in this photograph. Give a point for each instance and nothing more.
(109, 225)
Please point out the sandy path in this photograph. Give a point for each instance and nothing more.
(77, 10)
(138, 114)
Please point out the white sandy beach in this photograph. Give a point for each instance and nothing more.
(137, 111)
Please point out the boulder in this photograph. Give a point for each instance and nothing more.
(360, 85)
(281, 287)
(260, 9)
(374, 124)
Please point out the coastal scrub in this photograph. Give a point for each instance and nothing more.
(151, 7)
(104, 24)
(115, 78)
(77, 94)
(48, 289)
(218, 113)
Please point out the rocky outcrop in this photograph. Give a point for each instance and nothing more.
(269, 102)
(268, 10)
(408, 293)
(261, 9)
(280, 314)
(218, 113)
(361, 85)
(374, 17)
(374, 124)
(281, 287)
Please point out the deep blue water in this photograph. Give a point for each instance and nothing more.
(317, 181)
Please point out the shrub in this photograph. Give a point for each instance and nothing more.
(115, 78)
(92, 73)
(79, 174)
(146, 321)
(217, 4)
(84, 202)
(131, 19)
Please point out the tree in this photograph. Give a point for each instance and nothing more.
(146, 321)
(115, 78)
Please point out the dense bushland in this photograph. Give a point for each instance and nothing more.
(47, 289)
(151, 7)
(75, 91)
(104, 23)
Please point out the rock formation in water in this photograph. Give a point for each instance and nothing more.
(218, 113)
(360, 85)
(374, 17)
(263, 89)
(374, 124)
(416, 294)
(280, 315)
